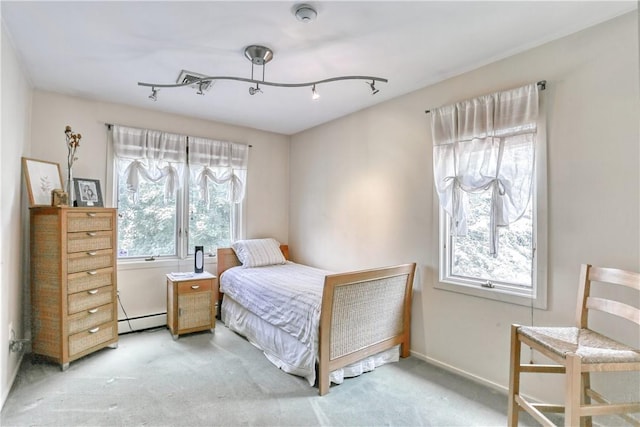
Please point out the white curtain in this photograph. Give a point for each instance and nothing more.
(486, 143)
(219, 162)
(151, 155)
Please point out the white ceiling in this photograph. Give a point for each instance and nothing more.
(101, 50)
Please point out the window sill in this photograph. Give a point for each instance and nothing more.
(496, 294)
(170, 264)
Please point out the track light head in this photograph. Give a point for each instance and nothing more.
(314, 93)
(373, 87)
(154, 94)
(254, 90)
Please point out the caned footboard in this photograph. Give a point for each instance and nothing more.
(363, 313)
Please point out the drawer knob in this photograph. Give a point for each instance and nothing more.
(92, 292)
(91, 233)
(92, 253)
(91, 214)
(94, 330)
(195, 286)
(92, 311)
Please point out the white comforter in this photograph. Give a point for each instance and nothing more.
(287, 296)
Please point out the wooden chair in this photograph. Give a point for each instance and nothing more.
(578, 351)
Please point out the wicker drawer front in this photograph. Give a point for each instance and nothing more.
(89, 241)
(90, 260)
(85, 320)
(87, 280)
(194, 286)
(89, 221)
(194, 310)
(87, 300)
(85, 340)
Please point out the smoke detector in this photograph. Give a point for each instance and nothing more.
(305, 13)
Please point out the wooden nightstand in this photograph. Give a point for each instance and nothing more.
(191, 302)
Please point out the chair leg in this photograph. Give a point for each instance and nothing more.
(514, 378)
(573, 392)
(586, 400)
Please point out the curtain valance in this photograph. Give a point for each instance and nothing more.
(486, 143)
(219, 162)
(161, 156)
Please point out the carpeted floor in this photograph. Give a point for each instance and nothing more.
(220, 379)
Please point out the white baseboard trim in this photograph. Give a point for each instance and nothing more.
(140, 323)
(498, 387)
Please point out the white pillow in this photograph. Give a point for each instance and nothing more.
(258, 252)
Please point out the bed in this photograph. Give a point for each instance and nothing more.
(340, 324)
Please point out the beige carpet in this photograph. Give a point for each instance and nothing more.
(220, 379)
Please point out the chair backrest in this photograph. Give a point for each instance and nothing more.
(608, 276)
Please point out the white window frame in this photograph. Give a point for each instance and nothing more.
(536, 296)
(182, 250)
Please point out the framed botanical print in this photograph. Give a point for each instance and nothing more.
(42, 178)
(87, 192)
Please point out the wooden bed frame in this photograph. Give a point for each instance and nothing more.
(362, 313)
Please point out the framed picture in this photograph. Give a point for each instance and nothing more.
(87, 192)
(42, 177)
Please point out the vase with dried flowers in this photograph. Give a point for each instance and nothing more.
(73, 142)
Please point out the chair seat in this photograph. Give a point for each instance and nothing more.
(591, 346)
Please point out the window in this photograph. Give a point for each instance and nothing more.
(176, 192)
(489, 169)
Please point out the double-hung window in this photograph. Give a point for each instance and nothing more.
(175, 192)
(489, 172)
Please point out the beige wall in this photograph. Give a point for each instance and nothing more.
(362, 192)
(15, 113)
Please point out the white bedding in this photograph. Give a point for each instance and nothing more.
(278, 309)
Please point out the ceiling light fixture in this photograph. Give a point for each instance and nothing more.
(259, 56)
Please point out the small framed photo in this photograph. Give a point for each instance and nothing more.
(87, 192)
(59, 197)
(42, 178)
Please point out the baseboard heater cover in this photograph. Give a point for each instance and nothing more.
(139, 323)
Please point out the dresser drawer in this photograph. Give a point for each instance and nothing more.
(89, 260)
(89, 221)
(91, 279)
(89, 319)
(89, 241)
(85, 340)
(86, 300)
(194, 286)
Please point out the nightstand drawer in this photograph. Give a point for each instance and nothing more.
(89, 260)
(90, 299)
(89, 221)
(91, 279)
(89, 241)
(85, 340)
(194, 286)
(89, 319)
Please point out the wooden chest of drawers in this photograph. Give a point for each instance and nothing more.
(73, 282)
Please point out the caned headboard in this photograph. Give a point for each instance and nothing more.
(227, 258)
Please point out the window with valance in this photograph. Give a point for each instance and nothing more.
(484, 156)
(176, 192)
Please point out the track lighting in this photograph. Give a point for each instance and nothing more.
(259, 56)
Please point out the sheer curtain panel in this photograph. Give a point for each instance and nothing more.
(151, 155)
(486, 144)
(219, 162)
